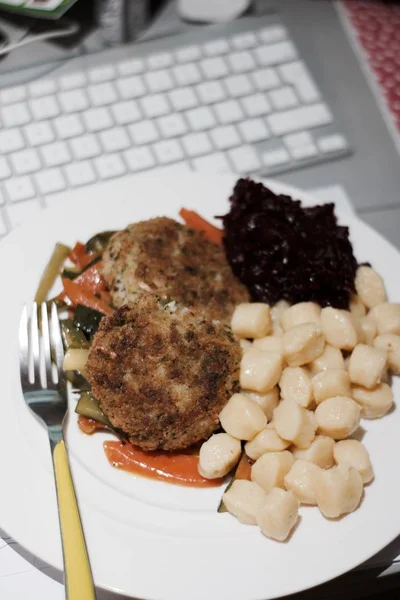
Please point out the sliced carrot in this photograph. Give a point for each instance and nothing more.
(91, 279)
(78, 256)
(194, 220)
(79, 296)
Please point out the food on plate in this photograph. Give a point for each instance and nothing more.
(391, 343)
(251, 320)
(303, 312)
(278, 514)
(260, 370)
(386, 317)
(267, 440)
(331, 358)
(218, 455)
(295, 384)
(162, 373)
(244, 499)
(319, 452)
(373, 403)
(329, 383)
(367, 365)
(370, 287)
(270, 469)
(337, 417)
(302, 344)
(242, 418)
(175, 262)
(295, 423)
(267, 401)
(302, 480)
(282, 251)
(355, 454)
(338, 490)
(339, 328)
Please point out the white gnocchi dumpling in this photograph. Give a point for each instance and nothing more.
(368, 329)
(367, 365)
(270, 469)
(373, 403)
(295, 385)
(268, 401)
(302, 344)
(387, 317)
(391, 343)
(267, 440)
(302, 480)
(295, 423)
(273, 343)
(251, 320)
(276, 313)
(320, 452)
(303, 312)
(330, 383)
(339, 328)
(370, 287)
(242, 418)
(355, 454)
(278, 514)
(260, 370)
(357, 308)
(339, 490)
(218, 455)
(331, 358)
(245, 345)
(244, 499)
(337, 417)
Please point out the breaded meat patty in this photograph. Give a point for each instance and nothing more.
(175, 262)
(162, 374)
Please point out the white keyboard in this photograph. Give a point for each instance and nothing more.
(244, 103)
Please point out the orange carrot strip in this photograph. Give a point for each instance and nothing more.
(91, 280)
(194, 220)
(79, 256)
(79, 296)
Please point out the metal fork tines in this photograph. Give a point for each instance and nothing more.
(44, 386)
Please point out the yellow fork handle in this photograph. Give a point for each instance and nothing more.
(78, 576)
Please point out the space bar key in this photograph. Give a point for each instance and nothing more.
(301, 118)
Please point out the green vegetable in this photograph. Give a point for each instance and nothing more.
(77, 380)
(87, 320)
(98, 242)
(52, 271)
(72, 337)
(89, 407)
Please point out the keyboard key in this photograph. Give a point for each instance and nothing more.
(56, 154)
(13, 94)
(297, 119)
(303, 152)
(143, 132)
(45, 108)
(244, 41)
(196, 144)
(274, 33)
(186, 74)
(25, 161)
(125, 112)
(244, 159)
(241, 62)
(15, 115)
(265, 79)
(155, 106)
(11, 140)
(256, 105)
(73, 101)
(101, 74)
(238, 85)
(115, 139)
(42, 88)
(216, 47)
(254, 130)
(38, 134)
(275, 53)
(229, 112)
(131, 87)
(97, 119)
(81, 173)
(85, 146)
(20, 213)
(68, 127)
(102, 94)
(160, 60)
(172, 125)
(283, 98)
(332, 143)
(210, 92)
(213, 68)
(159, 81)
(225, 137)
(72, 81)
(277, 157)
(168, 151)
(139, 159)
(108, 167)
(50, 181)
(296, 140)
(297, 74)
(187, 54)
(213, 163)
(183, 98)
(175, 168)
(5, 170)
(130, 67)
(19, 188)
(200, 118)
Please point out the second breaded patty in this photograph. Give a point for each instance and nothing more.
(162, 374)
(175, 262)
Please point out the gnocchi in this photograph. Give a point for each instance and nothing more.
(244, 499)
(302, 344)
(374, 403)
(370, 287)
(268, 401)
(295, 385)
(295, 423)
(218, 455)
(260, 370)
(272, 343)
(320, 452)
(337, 417)
(354, 453)
(387, 317)
(339, 328)
(242, 418)
(267, 440)
(278, 514)
(331, 358)
(339, 490)
(251, 320)
(270, 469)
(330, 383)
(367, 365)
(302, 480)
(303, 312)
(391, 343)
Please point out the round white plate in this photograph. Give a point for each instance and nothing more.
(149, 539)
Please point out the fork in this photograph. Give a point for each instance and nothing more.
(49, 403)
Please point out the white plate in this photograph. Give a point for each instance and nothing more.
(149, 539)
